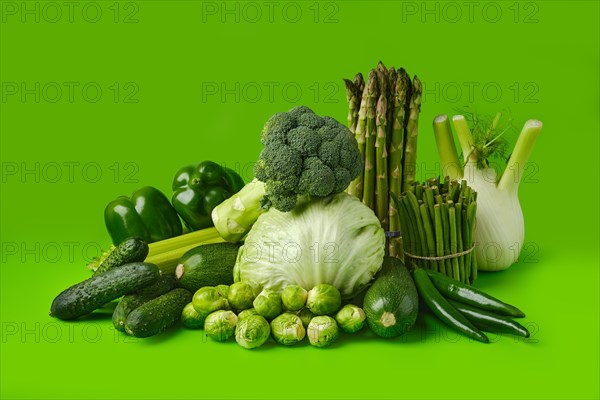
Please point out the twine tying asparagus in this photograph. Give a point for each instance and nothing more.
(449, 256)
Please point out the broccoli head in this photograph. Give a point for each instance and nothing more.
(305, 154)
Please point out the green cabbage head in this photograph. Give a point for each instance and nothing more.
(335, 240)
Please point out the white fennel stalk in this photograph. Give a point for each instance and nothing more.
(500, 229)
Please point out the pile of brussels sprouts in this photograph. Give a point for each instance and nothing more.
(225, 311)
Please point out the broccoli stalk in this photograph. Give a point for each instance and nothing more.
(236, 215)
(303, 155)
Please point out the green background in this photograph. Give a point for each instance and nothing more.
(164, 58)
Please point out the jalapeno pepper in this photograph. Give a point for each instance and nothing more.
(490, 322)
(444, 310)
(458, 291)
(147, 214)
(201, 187)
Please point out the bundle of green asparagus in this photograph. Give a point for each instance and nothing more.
(383, 113)
(437, 222)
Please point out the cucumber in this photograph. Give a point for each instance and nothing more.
(132, 301)
(158, 314)
(207, 265)
(391, 303)
(130, 250)
(93, 293)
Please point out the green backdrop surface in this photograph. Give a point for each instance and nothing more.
(100, 98)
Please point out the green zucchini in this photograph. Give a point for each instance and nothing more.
(391, 303)
(207, 265)
(93, 293)
(128, 251)
(158, 314)
(132, 301)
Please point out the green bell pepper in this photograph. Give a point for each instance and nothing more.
(201, 187)
(147, 215)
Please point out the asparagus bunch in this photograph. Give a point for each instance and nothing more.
(438, 223)
(383, 114)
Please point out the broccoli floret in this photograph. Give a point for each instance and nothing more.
(331, 122)
(305, 140)
(305, 154)
(284, 202)
(329, 153)
(317, 178)
(311, 121)
(298, 111)
(342, 175)
(279, 166)
(277, 127)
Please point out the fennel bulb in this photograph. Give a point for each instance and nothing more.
(500, 228)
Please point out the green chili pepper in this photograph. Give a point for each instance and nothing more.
(147, 214)
(488, 321)
(469, 295)
(444, 310)
(201, 187)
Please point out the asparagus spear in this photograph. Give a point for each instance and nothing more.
(353, 99)
(396, 149)
(439, 237)
(412, 130)
(382, 75)
(471, 212)
(370, 134)
(392, 77)
(459, 240)
(466, 240)
(453, 241)
(356, 186)
(381, 161)
(446, 228)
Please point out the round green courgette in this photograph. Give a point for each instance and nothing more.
(391, 303)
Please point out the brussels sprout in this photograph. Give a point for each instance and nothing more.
(351, 318)
(324, 299)
(268, 304)
(252, 331)
(293, 297)
(247, 313)
(190, 317)
(209, 299)
(305, 315)
(322, 331)
(287, 329)
(220, 325)
(240, 296)
(223, 289)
